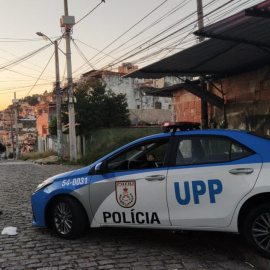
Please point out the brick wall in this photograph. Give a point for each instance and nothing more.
(187, 106)
(247, 98)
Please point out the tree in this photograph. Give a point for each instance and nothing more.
(32, 100)
(97, 108)
(53, 126)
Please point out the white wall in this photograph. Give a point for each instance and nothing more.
(135, 97)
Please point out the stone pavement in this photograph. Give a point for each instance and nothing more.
(107, 248)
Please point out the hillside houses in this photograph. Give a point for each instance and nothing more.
(33, 122)
(144, 109)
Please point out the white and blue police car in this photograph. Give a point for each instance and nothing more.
(216, 180)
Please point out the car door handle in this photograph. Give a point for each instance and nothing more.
(155, 177)
(241, 171)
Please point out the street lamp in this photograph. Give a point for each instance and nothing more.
(47, 38)
(58, 96)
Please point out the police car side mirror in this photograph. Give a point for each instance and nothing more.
(101, 167)
(98, 167)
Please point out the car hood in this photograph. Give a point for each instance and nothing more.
(84, 170)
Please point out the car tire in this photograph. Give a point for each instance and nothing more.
(256, 229)
(68, 217)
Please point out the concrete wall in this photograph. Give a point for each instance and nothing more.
(150, 116)
(135, 97)
(42, 147)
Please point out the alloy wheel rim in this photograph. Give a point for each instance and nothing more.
(261, 231)
(63, 218)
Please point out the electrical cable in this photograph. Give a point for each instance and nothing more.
(220, 11)
(17, 72)
(168, 28)
(3, 91)
(179, 6)
(102, 1)
(127, 31)
(94, 48)
(26, 61)
(81, 54)
(40, 75)
(158, 41)
(24, 58)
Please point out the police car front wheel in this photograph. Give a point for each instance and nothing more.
(68, 217)
(257, 229)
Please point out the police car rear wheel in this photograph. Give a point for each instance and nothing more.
(257, 229)
(68, 217)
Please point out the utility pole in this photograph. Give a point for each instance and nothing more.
(12, 137)
(67, 22)
(58, 102)
(200, 17)
(204, 107)
(15, 102)
(57, 92)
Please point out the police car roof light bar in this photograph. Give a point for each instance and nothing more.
(180, 126)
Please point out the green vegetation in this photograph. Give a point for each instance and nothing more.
(53, 126)
(32, 100)
(105, 140)
(35, 155)
(97, 108)
(98, 151)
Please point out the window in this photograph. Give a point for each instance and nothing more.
(200, 150)
(238, 152)
(158, 105)
(150, 154)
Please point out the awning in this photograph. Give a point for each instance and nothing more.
(238, 44)
(191, 86)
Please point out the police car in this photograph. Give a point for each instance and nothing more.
(216, 180)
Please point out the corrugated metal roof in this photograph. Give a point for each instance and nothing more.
(239, 44)
(244, 27)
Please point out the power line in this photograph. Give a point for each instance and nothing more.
(81, 54)
(40, 75)
(213, 12)
(15, 88)
(179, 6)
(20, 73)
(126, 31)
(126, 56)
(24, 58)
(95, 48)
(155, 36)
(26, 61)
(20, 39)
(102, 1)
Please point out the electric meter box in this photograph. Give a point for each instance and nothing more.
(67, 20)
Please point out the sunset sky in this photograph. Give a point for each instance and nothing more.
(111, 32)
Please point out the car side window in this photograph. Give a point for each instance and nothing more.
(203, 150)
(150, 154)
(238, 152)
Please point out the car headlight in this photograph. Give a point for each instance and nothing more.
(44, 184)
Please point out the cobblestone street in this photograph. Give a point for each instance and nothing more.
(39, 248)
